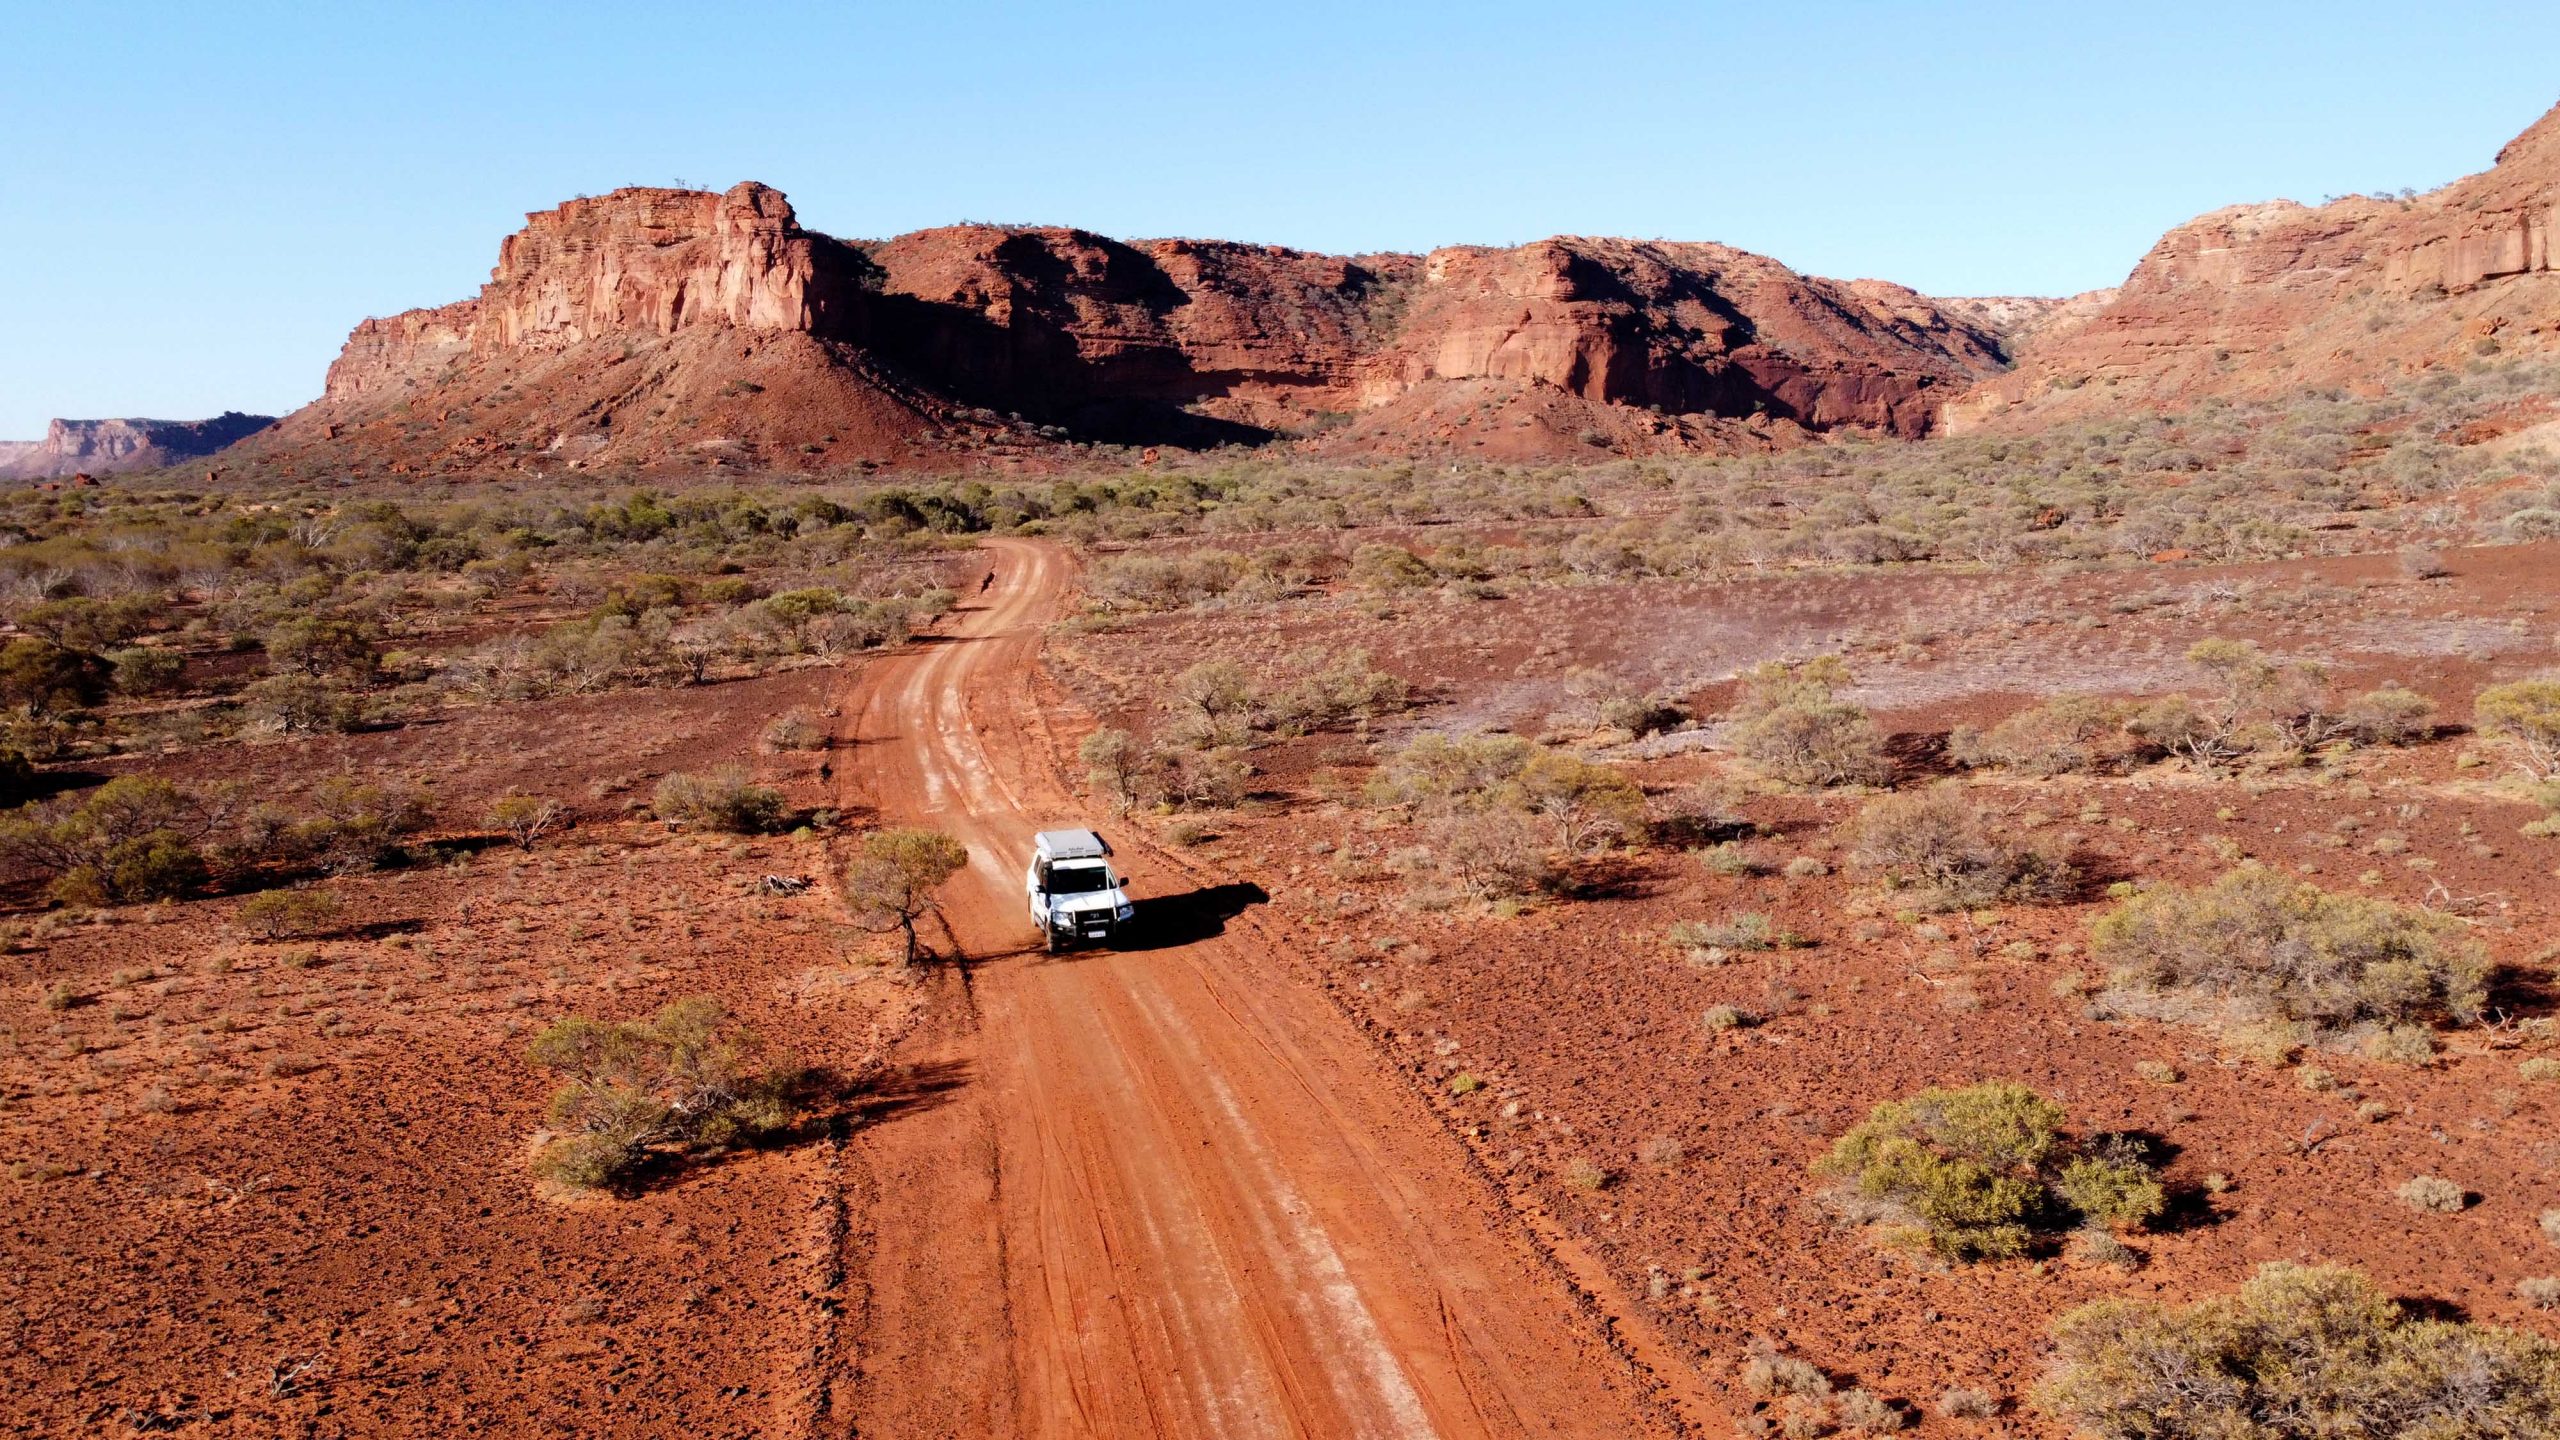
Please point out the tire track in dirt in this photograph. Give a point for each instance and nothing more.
(1160, 1191)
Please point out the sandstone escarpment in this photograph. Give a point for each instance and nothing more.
(2258, 300)
(670, 327)
(100, 447)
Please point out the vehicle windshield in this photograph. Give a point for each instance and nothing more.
(1078, 879)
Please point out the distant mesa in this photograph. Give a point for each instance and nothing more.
(659, 327)
(101, 447)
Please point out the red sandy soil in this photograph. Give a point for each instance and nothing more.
(278, 1188)
(1583, 1025)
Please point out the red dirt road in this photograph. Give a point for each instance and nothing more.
(1158, 1191)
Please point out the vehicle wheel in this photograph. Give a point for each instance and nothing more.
(1052, 936)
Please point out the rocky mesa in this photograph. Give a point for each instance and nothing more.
(2259, 300)
(657, 327)
(101, 447)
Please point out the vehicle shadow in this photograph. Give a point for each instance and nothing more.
(1165, 921)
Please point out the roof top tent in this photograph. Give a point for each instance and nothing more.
(1051, 845)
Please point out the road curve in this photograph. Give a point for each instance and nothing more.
(1162, 1191)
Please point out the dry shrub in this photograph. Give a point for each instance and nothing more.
(1978, 1172)
(725, 799)
(525, 819)
(1492, 852)
(2298, 1353)
(2388, 716)
(2068, 735)
(1174, 773)
(2432, 1195)
(682, 1081)
(2265, 946)
(1962, 1403)
(2526, 715)
(1503, 816)
(1792, 725)
(794, 730)
(1937, 840)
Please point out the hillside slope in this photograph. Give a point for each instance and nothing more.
(2258, 300)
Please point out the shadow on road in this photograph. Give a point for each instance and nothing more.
(906, 1089)
(1164, 921)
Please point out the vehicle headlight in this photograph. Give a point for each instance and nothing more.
(1124, 912)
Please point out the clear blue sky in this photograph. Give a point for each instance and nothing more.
(202, 198)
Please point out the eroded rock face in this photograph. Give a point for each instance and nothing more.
(101, 447)
(679, 326)
(2263, 299)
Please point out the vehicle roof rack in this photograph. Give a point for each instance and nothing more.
(1070, 845)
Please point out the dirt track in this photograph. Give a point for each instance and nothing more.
(1158, 1191)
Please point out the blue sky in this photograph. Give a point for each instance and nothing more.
(201, 199)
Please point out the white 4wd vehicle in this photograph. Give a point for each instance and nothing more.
(1076, 897)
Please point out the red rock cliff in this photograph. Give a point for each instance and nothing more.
(676, 326)
(2263, 299)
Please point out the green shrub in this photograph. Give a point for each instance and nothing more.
(2298, 1353)
(1977, 1172)
(725, 799)
(137, 837)
(46, 680)
(2070, 734)
(682, 1081)
(299, 704)
(322, 645)
(1937, 840)
(525, 819)
(2270, 947)
(286, 914)
(143, 670)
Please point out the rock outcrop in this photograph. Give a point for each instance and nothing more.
(657, 327)
(102, 447)
(2259, 300)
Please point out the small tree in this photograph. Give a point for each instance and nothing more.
(46, 680)
(1584, 800)
(526, 818)
(1116, 765)
(891, 883)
